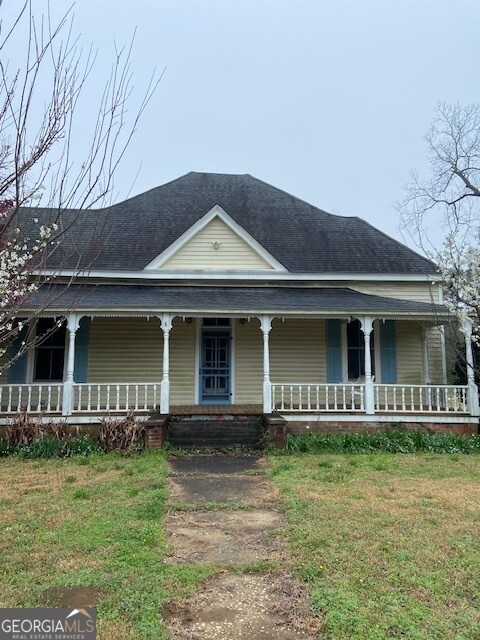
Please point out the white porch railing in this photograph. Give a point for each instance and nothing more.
(324, 398)
(121, 396)
(141, 397)
(417, 398)
(34, 398)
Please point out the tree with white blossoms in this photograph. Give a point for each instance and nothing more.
(460, 270)
(442, 212)
(52, 155)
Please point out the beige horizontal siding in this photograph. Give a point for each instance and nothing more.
(199, 252)
(298, 351)
(435, 360)
(248, 347)
(125, 350)
(182, 362)
(418, 291)
(409, 352)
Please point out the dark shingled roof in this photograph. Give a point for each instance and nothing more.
(233, 299)
(302, 237)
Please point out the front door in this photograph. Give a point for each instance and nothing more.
(215, 367)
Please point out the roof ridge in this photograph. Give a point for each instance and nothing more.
(309, 204)
(143, 193)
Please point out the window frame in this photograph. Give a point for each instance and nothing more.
(32, 359)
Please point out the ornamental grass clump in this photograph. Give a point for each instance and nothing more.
(24, 430)
(125, 435)
(28, 437)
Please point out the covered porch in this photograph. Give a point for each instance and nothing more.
(318, 353)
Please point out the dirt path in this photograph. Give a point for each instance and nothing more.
(229, 516)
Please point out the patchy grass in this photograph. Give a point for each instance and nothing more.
(389, 545)
(94, 522)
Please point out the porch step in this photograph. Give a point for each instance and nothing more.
(216, 431)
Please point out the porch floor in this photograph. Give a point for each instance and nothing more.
(216, 409)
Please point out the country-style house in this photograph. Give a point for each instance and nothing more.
(217, 290)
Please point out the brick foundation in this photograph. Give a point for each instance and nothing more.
(156, 431)
(456, 428)
(276, 430)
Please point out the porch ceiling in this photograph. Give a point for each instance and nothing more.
(198, 300)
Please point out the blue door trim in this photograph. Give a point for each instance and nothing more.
(215, 376)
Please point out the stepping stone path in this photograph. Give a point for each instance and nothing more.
(229, 516)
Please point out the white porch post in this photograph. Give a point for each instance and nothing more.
(366, 323)
(426, 366)
(73, 321)
(166, 323)
(472, 387)
(266, 323)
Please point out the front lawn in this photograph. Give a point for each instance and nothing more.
(92, 522)
(388, 544)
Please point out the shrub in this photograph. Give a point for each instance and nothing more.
(122, 434)
(388, 441)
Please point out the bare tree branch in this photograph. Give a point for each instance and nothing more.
(44, 157)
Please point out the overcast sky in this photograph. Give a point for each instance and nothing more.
(326, 100)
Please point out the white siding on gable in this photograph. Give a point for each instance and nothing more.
(232, 251)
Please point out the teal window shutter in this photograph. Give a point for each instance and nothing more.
(17, 372)
(334, 351)
(388, 343)
(81, 350)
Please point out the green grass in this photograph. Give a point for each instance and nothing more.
(69, 523)
(389, 545)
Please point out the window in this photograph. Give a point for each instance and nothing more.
(216, 322)
(356, 351)
(50, 354)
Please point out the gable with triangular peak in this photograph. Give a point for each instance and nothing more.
(216, 243)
